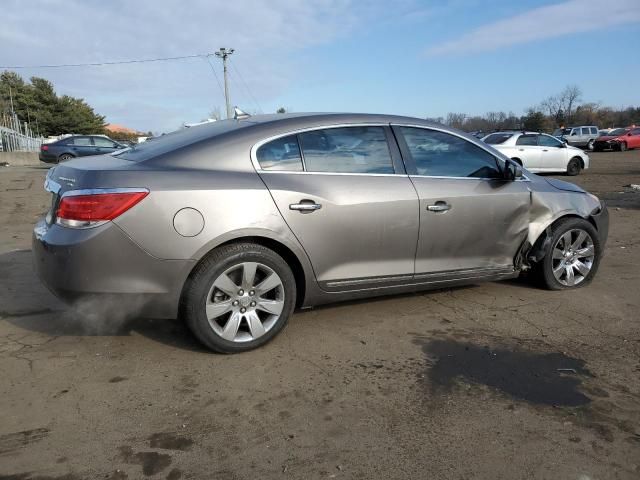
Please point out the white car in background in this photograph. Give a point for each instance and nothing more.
(539, 152)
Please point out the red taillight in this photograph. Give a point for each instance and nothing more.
(97, 207)
(44, 148)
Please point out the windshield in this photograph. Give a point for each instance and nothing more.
(561, 131)
(616, 132)
(497, 138)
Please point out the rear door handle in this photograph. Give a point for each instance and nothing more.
(439, 207)
(305, 207)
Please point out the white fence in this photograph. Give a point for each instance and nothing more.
(17, 136)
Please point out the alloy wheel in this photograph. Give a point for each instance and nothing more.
(245, 302)
(572, 257)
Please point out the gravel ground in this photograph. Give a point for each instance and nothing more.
(499, 380)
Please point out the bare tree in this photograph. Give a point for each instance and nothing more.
(569, 98)
(455, 120)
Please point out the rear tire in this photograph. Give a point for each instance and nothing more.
(590, 146)
(64, 157)
(581, 255)
(224, 304)
(574, 166)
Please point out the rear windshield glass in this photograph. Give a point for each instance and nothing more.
(497, 138)
(169, 142)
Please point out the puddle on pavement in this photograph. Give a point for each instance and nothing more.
(538, 378)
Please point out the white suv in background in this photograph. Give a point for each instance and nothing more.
(539, 152)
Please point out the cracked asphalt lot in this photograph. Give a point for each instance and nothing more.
(499, 380)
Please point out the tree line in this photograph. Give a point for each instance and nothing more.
(562, 109)
(48, 114)
(36, 102)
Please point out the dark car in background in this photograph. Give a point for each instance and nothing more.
(77, 146)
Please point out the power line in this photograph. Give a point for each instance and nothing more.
(99, 64)
(246, 87)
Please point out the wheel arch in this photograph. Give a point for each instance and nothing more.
(539, 245)
(299, 267)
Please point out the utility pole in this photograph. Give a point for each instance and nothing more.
(223, 53)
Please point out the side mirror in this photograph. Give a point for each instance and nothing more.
(562, 145)
(629, 134)
(512, 170)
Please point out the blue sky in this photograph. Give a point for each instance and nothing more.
(419, 58)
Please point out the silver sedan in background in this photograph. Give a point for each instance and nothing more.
(232, 225)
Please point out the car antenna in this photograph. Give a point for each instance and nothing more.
(239, 114)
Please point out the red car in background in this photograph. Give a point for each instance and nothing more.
(619, 139)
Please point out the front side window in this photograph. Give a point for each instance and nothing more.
(529, 140)
(549, 141)
(439, 154)
(103, 142)
(280, 154)
(346, 150)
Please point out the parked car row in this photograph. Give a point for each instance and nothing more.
(539, 152)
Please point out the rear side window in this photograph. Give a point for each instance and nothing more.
(79, 141)
(346, 150)
(527, 140)
(439, 154)
(585, 131)
(594, 131)
(497, 138)
(280, 154)
(548, 141)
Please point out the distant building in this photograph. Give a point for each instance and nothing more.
(115, 128)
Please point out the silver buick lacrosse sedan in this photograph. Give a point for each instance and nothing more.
(232, 225)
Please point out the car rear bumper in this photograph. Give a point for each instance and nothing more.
(105, 265)
(47, 157)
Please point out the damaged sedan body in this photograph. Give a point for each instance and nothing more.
(232, 225)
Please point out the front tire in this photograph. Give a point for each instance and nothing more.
(573, 167)
(623, 147)
(239, 297)
(573, 256)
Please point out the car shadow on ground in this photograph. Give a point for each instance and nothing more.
(26, 303)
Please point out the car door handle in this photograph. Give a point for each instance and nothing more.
(439, 207)
(545, 150)
(305, 207)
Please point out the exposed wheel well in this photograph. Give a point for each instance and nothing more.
(517, 160)
(536, 253)
(284, 252)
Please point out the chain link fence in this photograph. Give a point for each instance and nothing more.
(17, 136)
